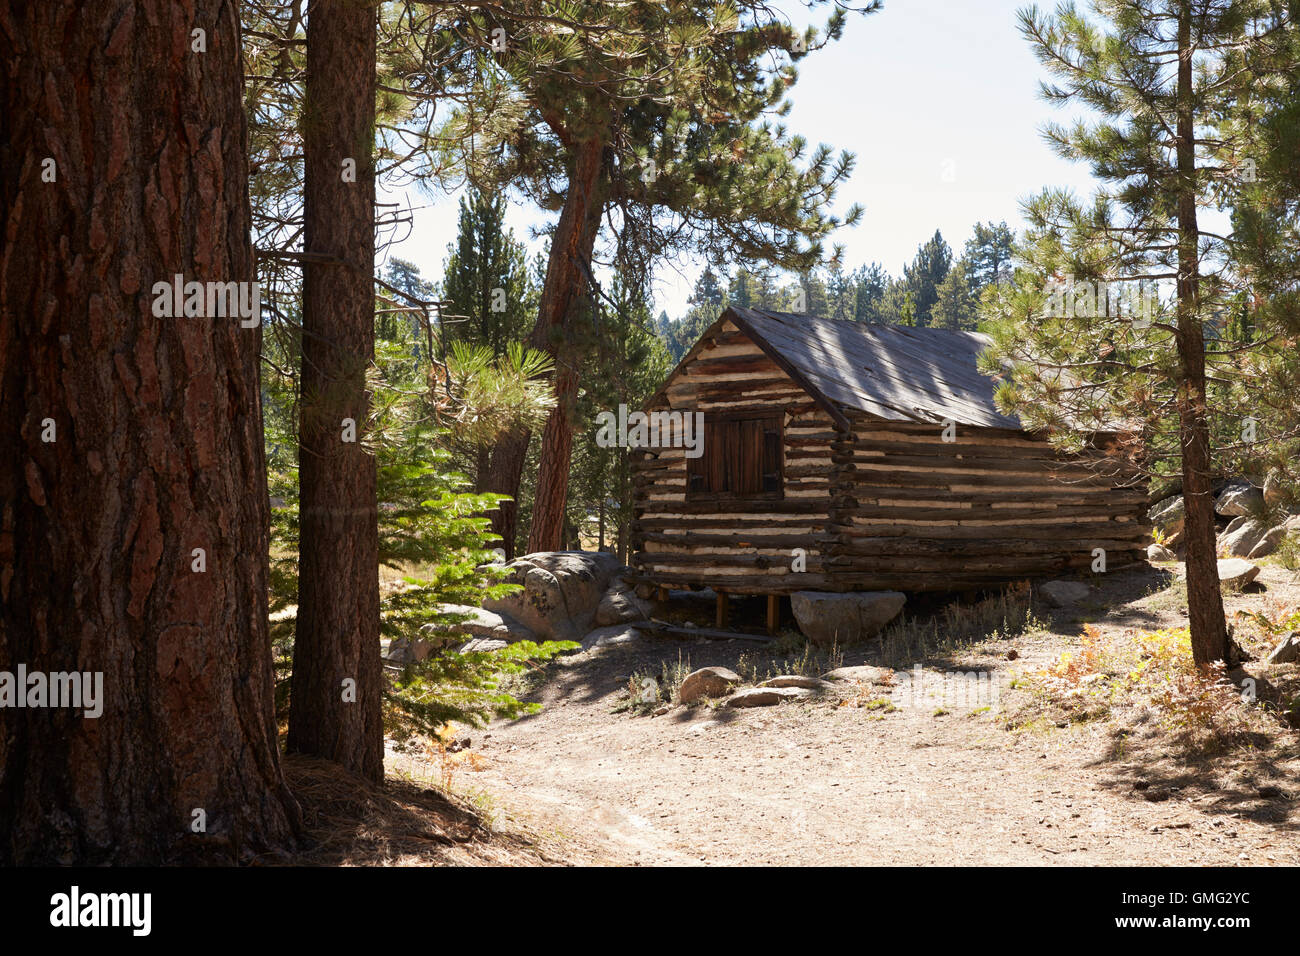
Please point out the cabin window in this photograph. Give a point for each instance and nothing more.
(742, 459)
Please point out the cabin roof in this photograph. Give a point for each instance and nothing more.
(897, 373)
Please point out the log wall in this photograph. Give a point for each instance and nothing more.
(918, 513)
(883, 505)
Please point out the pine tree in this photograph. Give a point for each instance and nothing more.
(922, 277)
(133, 526)
(677, 148)
(486, 277)
(336, 699)
(988, 255)
(1090, 349)
(872, 282)
(955, 302)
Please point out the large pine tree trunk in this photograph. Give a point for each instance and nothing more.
(564, 297)
(335, 694)
(1204, 599)
(156, 450)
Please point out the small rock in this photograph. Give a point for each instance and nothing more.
(1237, 573)
(482, 645)
(403, 650)
(766, 696)
(1287, 650)
(707, 682)
(1062, 593)
(1158, 552)
(797, 680)
(1012, 654)
(862, 674)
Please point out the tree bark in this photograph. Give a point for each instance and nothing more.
(504, 477)
(1204, 598)
(155, 449)
(335, 696)
(563, 298)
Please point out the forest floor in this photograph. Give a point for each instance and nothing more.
(1078, 760)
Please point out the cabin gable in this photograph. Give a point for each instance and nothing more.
(736, 517)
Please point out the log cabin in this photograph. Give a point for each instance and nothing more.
(840, 456)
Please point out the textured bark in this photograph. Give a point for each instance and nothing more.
(564, 296)
(157, 450)
(337, 635)
(1204, 598)
(507, 471)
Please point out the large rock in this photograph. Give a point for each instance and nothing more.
(1287, 650)
(1168, 516)
(466, 621)
(611, 636)
(1238, 498)
(478, 622)
(1063, 593)
(1276, 488)
(844, 618)
(1241, 541)
(707, 682)
(620, 605)
(1268, 543)
(1236, 573)
(561, 591)
(1235, 523)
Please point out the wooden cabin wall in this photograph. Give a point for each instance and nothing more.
(737, 546)
(916, 513)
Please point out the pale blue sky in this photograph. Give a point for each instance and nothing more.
(938, 99)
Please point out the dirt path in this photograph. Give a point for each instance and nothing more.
(821, 782)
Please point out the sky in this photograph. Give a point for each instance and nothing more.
(939, 101)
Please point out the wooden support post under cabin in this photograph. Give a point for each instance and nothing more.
(724, 610)
(773, 612)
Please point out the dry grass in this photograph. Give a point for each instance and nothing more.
(959, 626)
(1147, 677)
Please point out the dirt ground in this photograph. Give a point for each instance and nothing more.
(845, 778)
